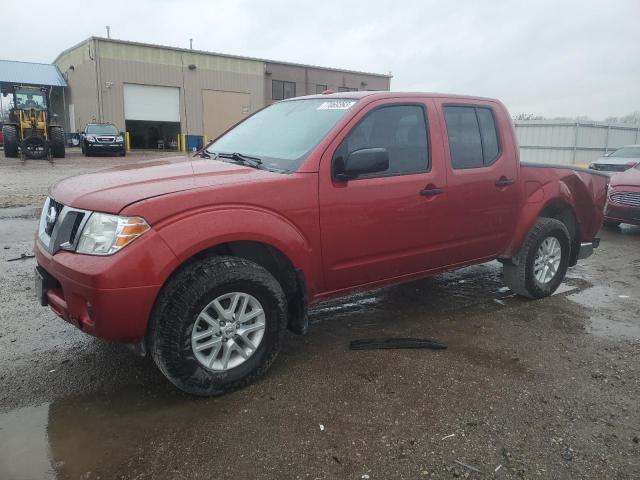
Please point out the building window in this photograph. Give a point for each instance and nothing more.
(473, 137)
(320, 88)
(281, 89)
(347, 89)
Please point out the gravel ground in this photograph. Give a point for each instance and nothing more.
(526, 389)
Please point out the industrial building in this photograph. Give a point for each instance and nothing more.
(159, 94)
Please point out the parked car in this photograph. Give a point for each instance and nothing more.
(622, 159)
(102, 138)
(204, 262)
(1, 135)
(623, 202)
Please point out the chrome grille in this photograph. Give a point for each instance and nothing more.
(51, 215)
(626, 198)
(106, 139)
(59, 230)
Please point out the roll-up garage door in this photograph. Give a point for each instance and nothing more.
(151, 103)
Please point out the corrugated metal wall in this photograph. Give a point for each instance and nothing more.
(101, 68)
(560, 142)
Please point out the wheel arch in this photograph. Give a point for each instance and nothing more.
(275, 261)
(559, 208)
(564, 212)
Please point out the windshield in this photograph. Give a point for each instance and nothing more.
(283, 134)
(627, 152)
(26, 99)
(102, 129)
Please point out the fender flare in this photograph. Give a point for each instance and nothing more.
(537, 201)
(193, 232)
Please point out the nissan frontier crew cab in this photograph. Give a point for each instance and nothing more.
(205, 261)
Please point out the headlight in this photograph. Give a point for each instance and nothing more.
(119, 139)
(91, 138)
(105, 234)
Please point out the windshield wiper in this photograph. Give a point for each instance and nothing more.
(254, 162)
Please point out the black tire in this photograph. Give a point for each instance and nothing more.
(10, 133)
(35, 147)
(57, 142)
(181, 301)
(611, 224)
(123, 153)
(519, 274)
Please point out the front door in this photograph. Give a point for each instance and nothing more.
(389, 224)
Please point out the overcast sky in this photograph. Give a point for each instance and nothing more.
(552, 58)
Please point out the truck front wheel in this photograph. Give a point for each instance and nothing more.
(542, 262)
(217, 325)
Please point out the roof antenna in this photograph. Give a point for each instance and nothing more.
(108, 31)
(191, 44)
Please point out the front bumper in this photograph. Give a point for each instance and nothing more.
(105, 147)
(622, 214)
(108, 297)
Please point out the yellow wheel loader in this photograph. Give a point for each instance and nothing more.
(32, 130)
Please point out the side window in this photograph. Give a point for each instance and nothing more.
(473, 137)
(401, 130)
(489, 135)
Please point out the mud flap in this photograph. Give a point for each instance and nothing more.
(299, 307)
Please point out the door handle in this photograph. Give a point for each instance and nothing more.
(504, 182)
(431, 192)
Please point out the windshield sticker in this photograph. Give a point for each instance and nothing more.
(336, 105)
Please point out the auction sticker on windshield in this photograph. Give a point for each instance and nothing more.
(337, 105)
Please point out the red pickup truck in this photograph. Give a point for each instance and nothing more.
(206, 261)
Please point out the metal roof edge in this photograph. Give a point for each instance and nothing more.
(218, 54)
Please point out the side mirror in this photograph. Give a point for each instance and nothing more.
(366, 160)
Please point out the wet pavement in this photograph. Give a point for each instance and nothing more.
(526, 389)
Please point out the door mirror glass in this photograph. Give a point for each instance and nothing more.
(360, 162)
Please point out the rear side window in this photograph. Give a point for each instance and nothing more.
(401, 130)
(473, 136)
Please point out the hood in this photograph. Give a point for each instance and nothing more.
(630, 178)
(113, 189)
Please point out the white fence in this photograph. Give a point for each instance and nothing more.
(561, 142)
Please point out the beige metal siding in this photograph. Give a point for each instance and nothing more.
(306, 79)
(222, 110)
(82, 81)
(121, 63)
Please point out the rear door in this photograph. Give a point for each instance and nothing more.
(482, 178)
(384, 225)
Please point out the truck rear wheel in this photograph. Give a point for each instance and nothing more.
(217, 325)
(10, 133)
(57, 142)
(542, 262)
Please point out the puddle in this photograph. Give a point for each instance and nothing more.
(611, 312)
(24, 450)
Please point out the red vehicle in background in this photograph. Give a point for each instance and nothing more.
(204, 262)
(623, 202)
